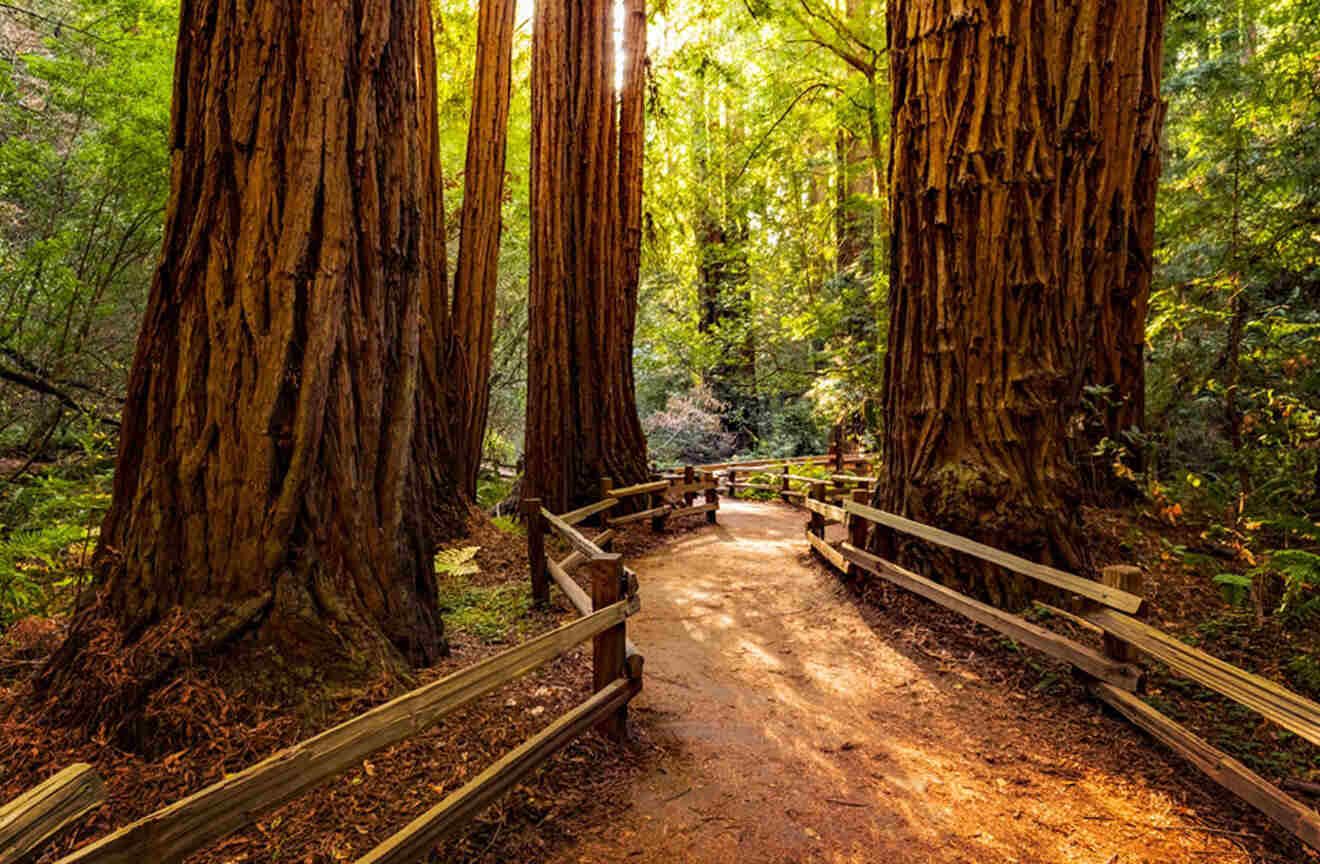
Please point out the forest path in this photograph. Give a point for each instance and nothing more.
(803, 729)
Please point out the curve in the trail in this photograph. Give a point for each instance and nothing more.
(805, 734)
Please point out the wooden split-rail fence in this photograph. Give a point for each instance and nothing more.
(192, 823)
(1114, 607)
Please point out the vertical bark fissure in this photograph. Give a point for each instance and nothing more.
(475, 277)
(274, 459)
(581, 411)
(1016, 242)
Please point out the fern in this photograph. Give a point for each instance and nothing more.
(1236, 588)
(1301, 576)
(27, 560)
(458, 561)
(509, 525)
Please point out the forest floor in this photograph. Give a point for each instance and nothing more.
(786, 717)
(807, 723)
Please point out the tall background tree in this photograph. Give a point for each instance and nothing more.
(581, 411)
(481, 223)
(272, 487)
(1020, 134)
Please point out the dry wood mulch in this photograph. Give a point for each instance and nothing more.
(345, 818)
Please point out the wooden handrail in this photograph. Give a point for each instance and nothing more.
(1087, 659)
(581, 514)
(640, 489)
(37, 814)
(639, 516)
(1120, 600)
(575, 538)
(829, 511)
(581, 601)
(1295, 713)
(172, 833)
(1218, 766)
(425, 832)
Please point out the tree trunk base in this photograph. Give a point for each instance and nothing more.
(986, 505)
(297, 648)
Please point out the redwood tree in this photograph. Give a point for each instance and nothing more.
(275, 483)
(581, 410)
(479, 242)
(1023, 166)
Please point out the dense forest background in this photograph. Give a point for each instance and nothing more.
(762, 308)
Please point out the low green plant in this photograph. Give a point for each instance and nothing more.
(459, 561)
(509, 525)
(1301, 579)
(1235, 587)
(41, 517)
(492, 614)
(1304, 673)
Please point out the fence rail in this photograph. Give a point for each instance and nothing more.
(39, 813)
(192, 823)
(1113, 672)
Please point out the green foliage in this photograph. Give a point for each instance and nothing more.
(1237, 210)
(746, 286)
(1301, 580)
(458, 561)
(1304, 673)
(492, 488)
(1235, 587)
(510, 525)
(492, 614)
(84, 175)
(42, 519)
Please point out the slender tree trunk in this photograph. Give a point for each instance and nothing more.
(1010, 246)
(854, 224)
(475, 278)
(632, 159)
(272, 489)
(1111, 117)
(1237, 320)
(581, 411)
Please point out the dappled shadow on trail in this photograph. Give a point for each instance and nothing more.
(808, 730)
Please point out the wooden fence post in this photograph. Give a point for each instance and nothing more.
(536, 551)
(857, 531)
(689, 477)
(818, 521)
(733, 481)
(606, 484)
(712, 497)
(657, 522)
(783, 483)
(1125, 578)
(609, 649)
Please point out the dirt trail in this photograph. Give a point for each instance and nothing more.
(803, 732)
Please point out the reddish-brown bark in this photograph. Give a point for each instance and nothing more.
(479, 243)
(581, 411)
(1020, 191)
(272, 481)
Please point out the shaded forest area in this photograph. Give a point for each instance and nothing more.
(1072, 302)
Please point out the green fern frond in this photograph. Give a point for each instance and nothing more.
(457, 561)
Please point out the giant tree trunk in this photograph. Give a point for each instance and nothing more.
(581, 410)
(479, 244)
(1008, 261)
(272, 487)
